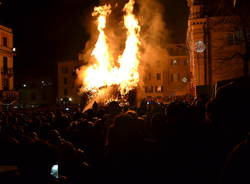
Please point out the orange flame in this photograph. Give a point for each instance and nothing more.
(104, 72)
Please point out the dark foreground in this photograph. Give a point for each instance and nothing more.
(182, 142)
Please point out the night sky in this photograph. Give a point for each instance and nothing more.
(51, 30)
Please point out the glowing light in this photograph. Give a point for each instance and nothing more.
(200, 46)
(104, 73)
(54, 171)
(184, 79)
(70, 99)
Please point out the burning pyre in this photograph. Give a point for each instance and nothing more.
(101, 78)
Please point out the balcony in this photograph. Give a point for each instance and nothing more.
(8, 72)
(9, 94)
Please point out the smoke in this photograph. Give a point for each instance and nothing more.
(154, 33)
(114, 29)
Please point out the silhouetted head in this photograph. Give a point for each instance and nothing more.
(231, 106)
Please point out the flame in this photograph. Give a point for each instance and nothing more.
(104, 72)
(129, 61)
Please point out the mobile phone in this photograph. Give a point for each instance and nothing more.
(54, 171)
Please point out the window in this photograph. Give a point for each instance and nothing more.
(65, 69)
(74, 72)
(172, 78)
(239, 36)
(230, 39)
(185, 62)
(65, 92)
(5, 65)
(174, 62)
(5, 42)
(175, 77)
(6, 84)
(179, 77)
(149, 76)
(235, 37)
(149, 89)
(158, 89)
(158, 76)
(65, 81)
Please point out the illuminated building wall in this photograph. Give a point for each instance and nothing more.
(214, 36)
(6, 59)
(166, 77)
(66, 81)
(8, 96)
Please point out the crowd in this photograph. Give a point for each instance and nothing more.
(200, 141)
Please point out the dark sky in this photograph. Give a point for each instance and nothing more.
(49, 30)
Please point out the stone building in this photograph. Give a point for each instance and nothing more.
(67, 89)
(36, 92)
(216, 42)
(7, 93)
(167, 76)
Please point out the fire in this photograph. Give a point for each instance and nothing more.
(104, 72)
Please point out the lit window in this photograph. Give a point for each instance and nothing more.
(174, 62)
(158, 89)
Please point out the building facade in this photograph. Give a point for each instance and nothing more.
(68, 90)
(166, 77)
(7, 93)
(215, 43)
(38, 92)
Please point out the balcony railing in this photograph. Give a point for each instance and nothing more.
(9, 72)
